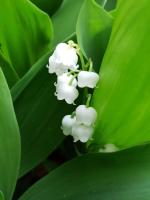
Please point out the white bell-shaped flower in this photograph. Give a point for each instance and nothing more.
(67, 123)
(63, 58)
(86, 115)
(56, 67)
(67, 92)
(81, 132)
(87, 79)
(67, 78)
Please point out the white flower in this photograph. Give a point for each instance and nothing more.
(67, 122)
(81, 132)
(87, 79)
(67, 92)
(109, 148)
(55, 66)
(63, 58)
(86, 115)
(66, 78)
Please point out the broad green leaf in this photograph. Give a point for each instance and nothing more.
(65, 19)
(93, 30)
(39, 115)
(9, 142)
(48, 6)
(122, 98)
(25, 33)
(119, 176)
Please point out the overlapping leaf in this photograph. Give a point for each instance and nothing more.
(9, 142)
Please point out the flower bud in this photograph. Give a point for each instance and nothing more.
(66, 92)
(67, 123)
(86, 115)
(81, 132)
(87, 79)
(109, 148)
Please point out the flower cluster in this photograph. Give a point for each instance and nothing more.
(80, 123)
(64, 63)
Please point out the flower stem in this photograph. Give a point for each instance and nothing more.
(77, 150)
(88, 100)
(73, 114)
(71, 81)
(90, 65)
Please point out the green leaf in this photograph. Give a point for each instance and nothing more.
(93, 31)
(122, 98)
(48, 6)
(119, 176)
(25, 33)
(9, 142)
(39, 115)
(65, 19)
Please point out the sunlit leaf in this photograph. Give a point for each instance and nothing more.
(122, 98)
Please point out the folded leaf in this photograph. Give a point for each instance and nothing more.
(9, 142)
(120, 176)
(122, 98)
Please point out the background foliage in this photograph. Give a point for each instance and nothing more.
(117, 40)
